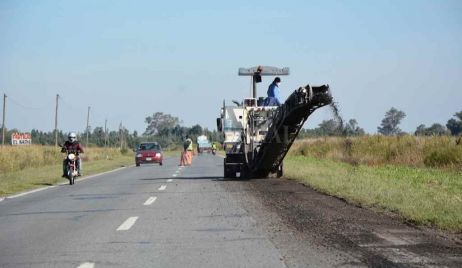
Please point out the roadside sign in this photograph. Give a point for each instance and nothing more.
(21, 139)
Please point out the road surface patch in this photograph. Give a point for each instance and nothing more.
(127, 224)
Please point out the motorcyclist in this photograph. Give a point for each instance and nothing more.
(72, 145)
(214, 148)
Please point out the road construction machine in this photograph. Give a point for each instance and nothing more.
(258, 137)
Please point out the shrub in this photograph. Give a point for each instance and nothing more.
(443, 157)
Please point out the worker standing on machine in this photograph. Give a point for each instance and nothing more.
(274, 97)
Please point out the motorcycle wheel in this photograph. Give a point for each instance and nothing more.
(70, 177)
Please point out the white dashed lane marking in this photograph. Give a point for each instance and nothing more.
(127, 224)
(174, 175)
(162, 187)
(86, 265)
(150, 200)
(169, 180)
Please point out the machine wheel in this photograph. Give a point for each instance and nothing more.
(160, 164)
(280, 171)
(137, 164)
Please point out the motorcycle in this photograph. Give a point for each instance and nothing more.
(214, 151)
(71, 168)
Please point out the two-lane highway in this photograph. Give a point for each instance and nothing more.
(148, 216)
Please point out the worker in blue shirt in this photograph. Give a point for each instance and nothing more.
(274, 97)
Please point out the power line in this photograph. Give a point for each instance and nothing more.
(24, 106)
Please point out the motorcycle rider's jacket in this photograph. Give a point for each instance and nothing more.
(73, 147)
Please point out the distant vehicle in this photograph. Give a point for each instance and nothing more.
(148, 153)
(203, 144)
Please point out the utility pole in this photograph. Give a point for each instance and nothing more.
(105, 133)
(56, 121)
(88, 121)
(3, 122)
(121, 136)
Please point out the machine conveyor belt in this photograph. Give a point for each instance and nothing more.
(287, 122)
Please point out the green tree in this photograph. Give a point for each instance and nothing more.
(434, 130)
(455, 125)
(98, 136)
(160, 123)
(389, 125)
(352, 128)
(329, 127)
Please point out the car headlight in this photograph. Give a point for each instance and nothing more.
(158, 155)
(139, 155)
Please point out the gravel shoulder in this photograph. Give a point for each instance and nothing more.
(308, 226)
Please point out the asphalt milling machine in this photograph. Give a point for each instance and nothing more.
(257, 137)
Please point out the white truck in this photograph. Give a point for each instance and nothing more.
(203, 144)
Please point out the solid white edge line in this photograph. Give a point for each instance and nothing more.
(29, 192)
(150, 200)
(86, 265)
(162, 187)
(61, 183)
(169, 180)
(128, 223)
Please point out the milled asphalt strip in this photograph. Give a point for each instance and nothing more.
(162, 187)
(150, 200)
(86, 265)
(61, 183)
(127, 224)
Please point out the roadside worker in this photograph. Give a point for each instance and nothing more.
(186, 155)
(72, 145)
(273, 92)
(189, 150)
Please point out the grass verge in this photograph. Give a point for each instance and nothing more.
(36, 177)
(424, 196)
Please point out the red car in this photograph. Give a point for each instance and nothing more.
(148, 152)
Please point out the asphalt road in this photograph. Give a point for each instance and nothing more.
(160, 216)
(150, 216)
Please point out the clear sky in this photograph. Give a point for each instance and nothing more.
(129, 59)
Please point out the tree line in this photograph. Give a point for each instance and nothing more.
(388, 127)
(163, 128)
(170, 133)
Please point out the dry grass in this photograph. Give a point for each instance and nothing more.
(29, 167)
(15, 158)
(438, 152)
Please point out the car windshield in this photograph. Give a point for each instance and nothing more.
(149, 146)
